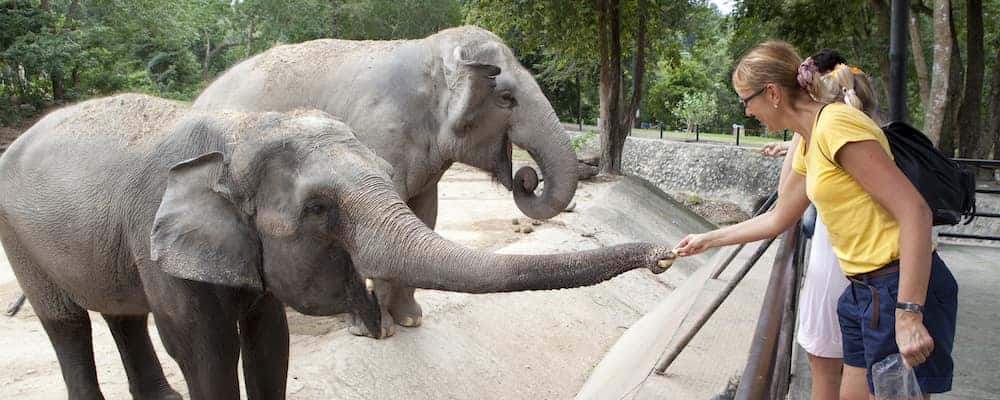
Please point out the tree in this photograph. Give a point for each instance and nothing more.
(970, 124)
(917, 52)
(395, 19)
(946, 79)
(695, 109)
(567, 32)
(993, 124)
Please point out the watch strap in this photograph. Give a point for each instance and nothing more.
(910, 307)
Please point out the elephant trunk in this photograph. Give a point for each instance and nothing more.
(396, 246)
(536, 128)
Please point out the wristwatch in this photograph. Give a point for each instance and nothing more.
(910, 307)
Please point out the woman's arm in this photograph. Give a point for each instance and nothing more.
(792, 201)
(786, 164)
(868, 164)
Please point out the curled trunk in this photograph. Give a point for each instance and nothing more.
(536, 129)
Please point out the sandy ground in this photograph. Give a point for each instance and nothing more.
(470, 346)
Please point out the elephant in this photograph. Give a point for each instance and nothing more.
(456, 96)
(213, 222)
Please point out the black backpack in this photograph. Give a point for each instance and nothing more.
(948, 188)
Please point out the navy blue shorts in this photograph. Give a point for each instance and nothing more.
(865, 346)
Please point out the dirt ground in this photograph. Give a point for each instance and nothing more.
(474, 212)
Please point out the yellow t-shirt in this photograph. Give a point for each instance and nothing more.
(863, 234)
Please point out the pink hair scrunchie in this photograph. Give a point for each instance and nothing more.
(806, 71)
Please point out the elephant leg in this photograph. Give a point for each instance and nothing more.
(198, 331)
(403, 307)
(145, 374)
(264, 342)
(65, 322)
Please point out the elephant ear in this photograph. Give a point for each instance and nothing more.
(199, 233)
(470, 83)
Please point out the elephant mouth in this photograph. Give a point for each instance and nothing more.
(503, 170)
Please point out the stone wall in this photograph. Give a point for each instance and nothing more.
(727, 173)
(736, 175)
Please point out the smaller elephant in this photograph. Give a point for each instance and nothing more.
(131, 205)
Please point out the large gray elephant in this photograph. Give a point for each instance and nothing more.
(457, 96)
(132, 204)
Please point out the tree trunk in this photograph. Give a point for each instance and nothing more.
(250, 29)
(612, 132)
(638, 69)
(208, 56)
(993, 124)
(883, 14)
(55, 75)
(969, 114)
(919, 62)
(936, 117)
(949, 136)
(579, 102)
(58, 88)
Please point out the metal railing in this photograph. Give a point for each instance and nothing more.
(977, 163)
(768, 370)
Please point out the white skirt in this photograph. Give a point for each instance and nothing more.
(819, 327)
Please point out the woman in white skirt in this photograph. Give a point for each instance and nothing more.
(819, 328)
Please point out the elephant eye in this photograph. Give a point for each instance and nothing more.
(315, 209)
(507, 99)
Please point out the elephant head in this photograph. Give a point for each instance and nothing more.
(493, 102)
(297, 206)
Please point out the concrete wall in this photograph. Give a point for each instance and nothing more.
(736, 175)
(718, 172)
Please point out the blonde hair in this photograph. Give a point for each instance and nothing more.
(774, 62)
(849, 85)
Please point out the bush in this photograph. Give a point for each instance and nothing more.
(581, 140)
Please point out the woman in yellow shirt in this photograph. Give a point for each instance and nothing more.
(879, 225)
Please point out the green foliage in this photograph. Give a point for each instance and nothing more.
(172, 48)
(396, 19)
(582, 139)
(695, 108)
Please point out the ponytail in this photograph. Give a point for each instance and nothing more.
(846, 84)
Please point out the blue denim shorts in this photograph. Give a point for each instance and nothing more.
(865, 345)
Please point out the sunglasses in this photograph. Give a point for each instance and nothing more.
(745, 100)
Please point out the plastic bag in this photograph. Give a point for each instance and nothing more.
(893, 380)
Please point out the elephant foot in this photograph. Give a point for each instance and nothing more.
(163, 394)
(358, 327)
(404, 308)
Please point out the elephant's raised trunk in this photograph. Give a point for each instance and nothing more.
(536, 128)
(398, 247)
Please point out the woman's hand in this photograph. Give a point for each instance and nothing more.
(914, 342)
(775, 149)
(691, 245)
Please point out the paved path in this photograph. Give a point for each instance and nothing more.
(977, 346)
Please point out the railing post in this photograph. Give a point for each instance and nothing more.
(759, 372)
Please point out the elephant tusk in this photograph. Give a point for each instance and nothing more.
(370, 285)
